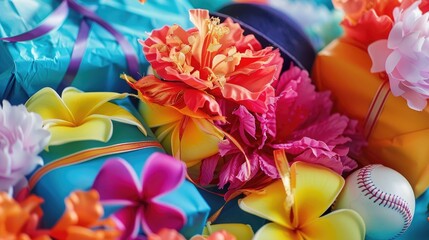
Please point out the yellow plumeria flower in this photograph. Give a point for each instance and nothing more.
(78, 116)
(313, 189)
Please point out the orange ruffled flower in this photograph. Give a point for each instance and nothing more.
(373, 21)
(367, 21)
(214, 60)
(18, 220)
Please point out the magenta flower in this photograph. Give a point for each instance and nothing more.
(298, 120)
(118, 184)
(22, 138)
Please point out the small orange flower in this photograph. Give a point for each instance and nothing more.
(18, 220)
(82, 216)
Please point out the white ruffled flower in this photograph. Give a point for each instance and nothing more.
(405, 56)
(22, 138)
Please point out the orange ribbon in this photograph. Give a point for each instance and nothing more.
(89, 154)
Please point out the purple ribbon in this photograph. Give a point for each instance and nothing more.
(56, 19)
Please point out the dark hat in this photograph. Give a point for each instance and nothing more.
(272, 28)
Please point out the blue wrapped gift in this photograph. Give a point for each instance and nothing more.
(27, 66)
(74, 165)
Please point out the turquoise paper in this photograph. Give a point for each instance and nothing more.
(56, 185)
(26, 67)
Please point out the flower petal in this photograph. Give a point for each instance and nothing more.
(95, 128)
(316, 188)
(274, 194)
(48, 104)
(156, 115)
(395, 36)
(129, 218)
(125, 184)
(392, 61)
(161, 174)
(83, 104)
(379, 53)
(338, 225)
(118, 114)
(275, 231)
(200, 139)
(158, 216)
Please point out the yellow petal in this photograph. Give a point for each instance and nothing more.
(95, 128)
(83, 104)
(316, 188)
(118, 114)
(240, 231)
(338, 225)
(200, 140)
(275, 231)
(48, 104)
(156, 115)
(269, 204)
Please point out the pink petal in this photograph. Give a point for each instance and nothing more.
(415, 101)
(117, 180)
(409, 71)
(378, 52)
(395, 36)
(394, 84)
(161, 174)
(129, 218)
(268, 124)
(208, 168)
(333, 163)
(158, 216)
(392, 61)
(267, 165)
(229, 170)
(247, 125)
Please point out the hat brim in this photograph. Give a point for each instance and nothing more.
(272, 28)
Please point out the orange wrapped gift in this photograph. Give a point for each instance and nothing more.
(378, 73)
(398, 136)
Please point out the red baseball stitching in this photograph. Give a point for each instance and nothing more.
(390, 201)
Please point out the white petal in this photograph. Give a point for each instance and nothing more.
(415, 101)
(392, 60)
(394, 86)
(378, 53)
(396, 35)
(408, 44)
(409, 71)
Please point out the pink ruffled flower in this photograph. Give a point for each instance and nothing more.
(118, 184)
(298, 120)
(22, 138)
(214, 60)
(404, 55)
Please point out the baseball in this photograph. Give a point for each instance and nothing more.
(383, 198)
